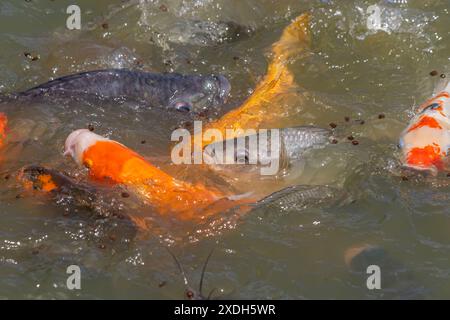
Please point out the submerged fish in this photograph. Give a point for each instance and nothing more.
(114, 164)
(198, 33)
(104, 202)
(170, 90)
(425, 142)
(397, 281)
(301, 196)
(285, 149)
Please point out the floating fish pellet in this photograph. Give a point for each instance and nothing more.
(433, 73)
(30, 56)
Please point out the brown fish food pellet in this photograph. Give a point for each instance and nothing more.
(333, 125)
(334, 141)
(125, 195)
(105, 25)
(381, 116)
(347, 119)
(351, 138)
(30, 56)
(163, 8)
(433, 73)
(355, 142)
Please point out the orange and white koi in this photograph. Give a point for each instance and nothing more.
(425, 142)
(110, 162)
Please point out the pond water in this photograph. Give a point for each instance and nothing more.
(365, 78)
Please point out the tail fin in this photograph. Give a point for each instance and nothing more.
(277, 81)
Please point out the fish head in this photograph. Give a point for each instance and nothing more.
(201, 93)
(242, 156)
(78, 142)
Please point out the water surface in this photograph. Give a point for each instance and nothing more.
(274, 252)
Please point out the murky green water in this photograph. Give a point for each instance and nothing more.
(273, 252)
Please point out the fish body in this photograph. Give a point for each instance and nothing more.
(300, 196)
(425, 142)
(170, 90)
(288, 147)
(3, 125)
(112, 163)
(264, 104)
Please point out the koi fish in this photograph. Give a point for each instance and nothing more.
(425, 142)
(3, 124)
(278, 81)
(173, 91)
(103, 201)
(112, 163)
